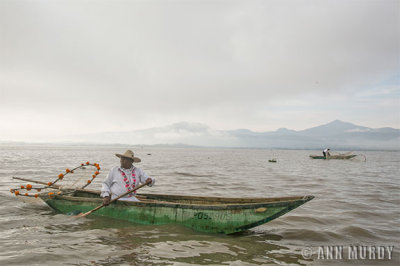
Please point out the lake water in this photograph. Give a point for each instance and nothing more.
(356, 204)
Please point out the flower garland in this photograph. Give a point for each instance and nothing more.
(127, 183)
(29, 187)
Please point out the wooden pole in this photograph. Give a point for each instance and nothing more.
(37, 182)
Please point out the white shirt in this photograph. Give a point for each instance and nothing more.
(115, 184)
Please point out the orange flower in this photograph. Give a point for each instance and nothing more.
(94, 176)
(16, 193)
(36, 195)
(87, 163)
(26, 194)
(60, 176)
(51, 193)
(95, 164)
(98, 168)
(38, 189)
(82, 164)
(97, 172)
(59, 193)
(49, 183)
(22, 187)
(29, 187)
(67, 170)
(89, 181)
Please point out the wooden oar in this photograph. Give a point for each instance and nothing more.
(117, 198)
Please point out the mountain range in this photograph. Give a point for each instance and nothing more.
(337, 135)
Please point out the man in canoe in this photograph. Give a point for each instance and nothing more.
(124, 178)
(326, 153)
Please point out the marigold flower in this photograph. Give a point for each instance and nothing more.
(82, 164)
(51, 193)
(87, 163)
(16, 193)
(38, 189)
(26, 194)
(89, 181)
(97, 172)
(29, 187)
(22, 187)
(93, 176)
(49, 183)
(67, 170)
(98, 168)
(36, 195)
(60, 176)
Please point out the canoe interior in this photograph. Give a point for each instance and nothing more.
(193, 200)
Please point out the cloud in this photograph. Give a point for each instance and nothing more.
(133, 64)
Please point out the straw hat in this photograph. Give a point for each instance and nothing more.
(130, 155)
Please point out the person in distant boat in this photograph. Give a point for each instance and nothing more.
(326, 153)
(124, 178)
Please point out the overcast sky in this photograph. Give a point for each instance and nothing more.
(74, 67)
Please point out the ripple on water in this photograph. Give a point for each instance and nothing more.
(184, 249)
(359, 233)
(309, 235)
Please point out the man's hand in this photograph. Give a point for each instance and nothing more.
(106, 200)
(148, 180)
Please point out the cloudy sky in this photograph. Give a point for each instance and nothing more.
(76, 67)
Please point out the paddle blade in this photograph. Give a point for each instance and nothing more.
(80, 215)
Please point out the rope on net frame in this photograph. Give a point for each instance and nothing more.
(357, 157)
(53, 185)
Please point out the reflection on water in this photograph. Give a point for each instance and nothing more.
(356, 203)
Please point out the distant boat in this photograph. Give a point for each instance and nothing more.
(206, 214)
(339, 156)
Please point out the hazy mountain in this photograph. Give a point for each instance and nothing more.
(335, 135)
(334, 128)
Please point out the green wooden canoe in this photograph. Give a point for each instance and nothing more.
(340, 156)
(206, 214)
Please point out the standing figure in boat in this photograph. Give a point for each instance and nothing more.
(326, 153)
(124, 178)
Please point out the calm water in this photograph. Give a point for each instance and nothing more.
(357, 204)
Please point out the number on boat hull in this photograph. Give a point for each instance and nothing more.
(202, 216)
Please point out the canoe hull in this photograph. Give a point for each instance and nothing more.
(339, 157)
(212, 218)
